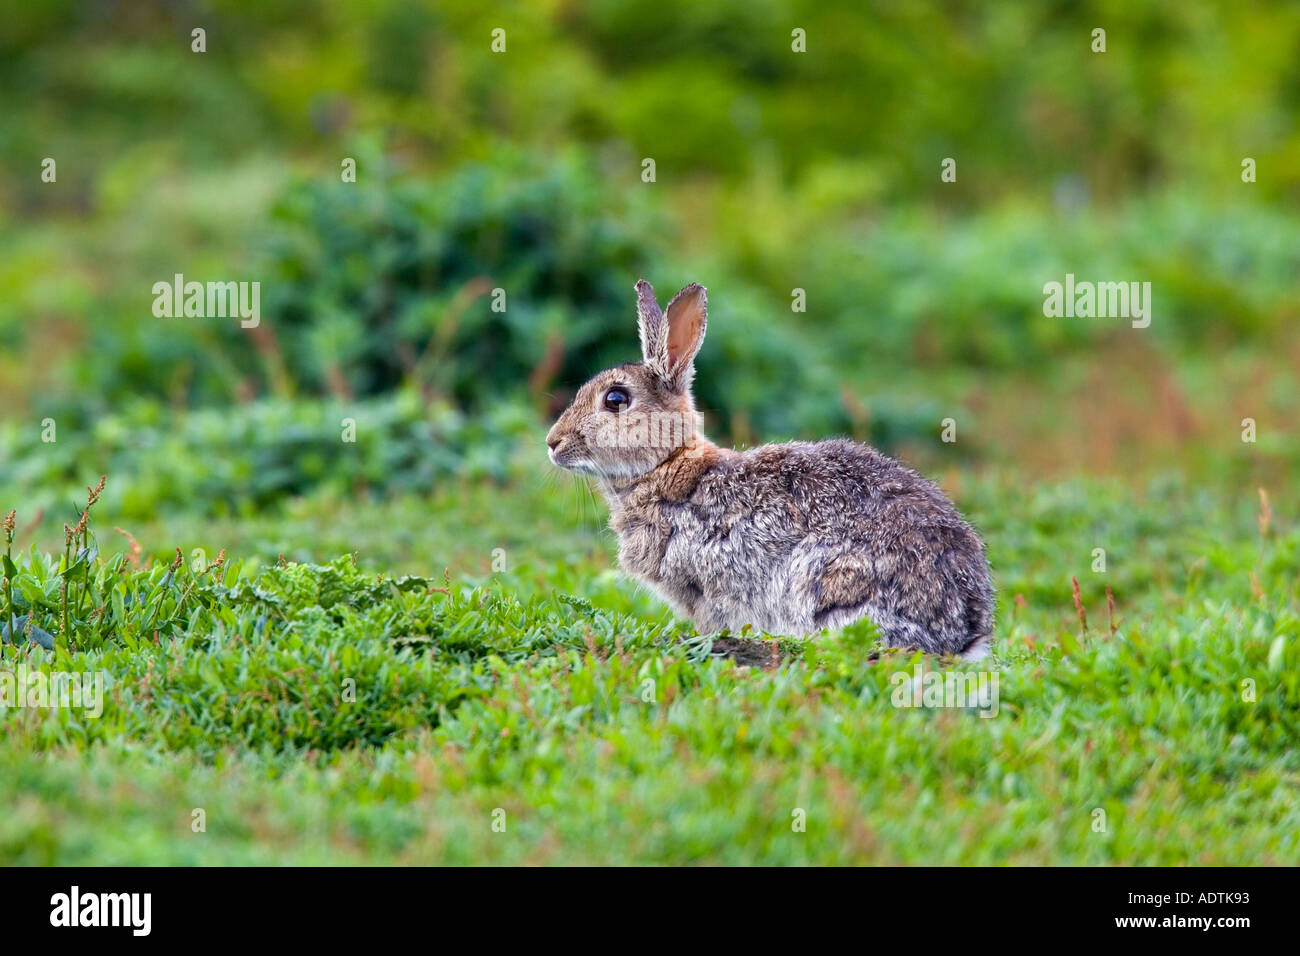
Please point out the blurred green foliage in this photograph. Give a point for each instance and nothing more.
(395, 281)
(392, 282)
(521, 170)
(246, 460)
(1181, 94)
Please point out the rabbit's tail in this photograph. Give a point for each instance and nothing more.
(978, 649)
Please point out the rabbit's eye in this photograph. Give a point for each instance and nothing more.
(617, 399)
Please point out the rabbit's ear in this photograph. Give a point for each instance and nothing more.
(650, 323)
(686, 318)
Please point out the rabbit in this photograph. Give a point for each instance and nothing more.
(788, 538)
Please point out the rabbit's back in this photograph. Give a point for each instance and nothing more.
(797, 537)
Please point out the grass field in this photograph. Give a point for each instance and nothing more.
(339, 712)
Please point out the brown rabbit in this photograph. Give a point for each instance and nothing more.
(787, 538)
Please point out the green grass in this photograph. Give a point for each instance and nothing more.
(557, 692)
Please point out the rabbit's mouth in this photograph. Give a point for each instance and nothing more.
(578, 465)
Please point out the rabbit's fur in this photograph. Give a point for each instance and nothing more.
(787, 538)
